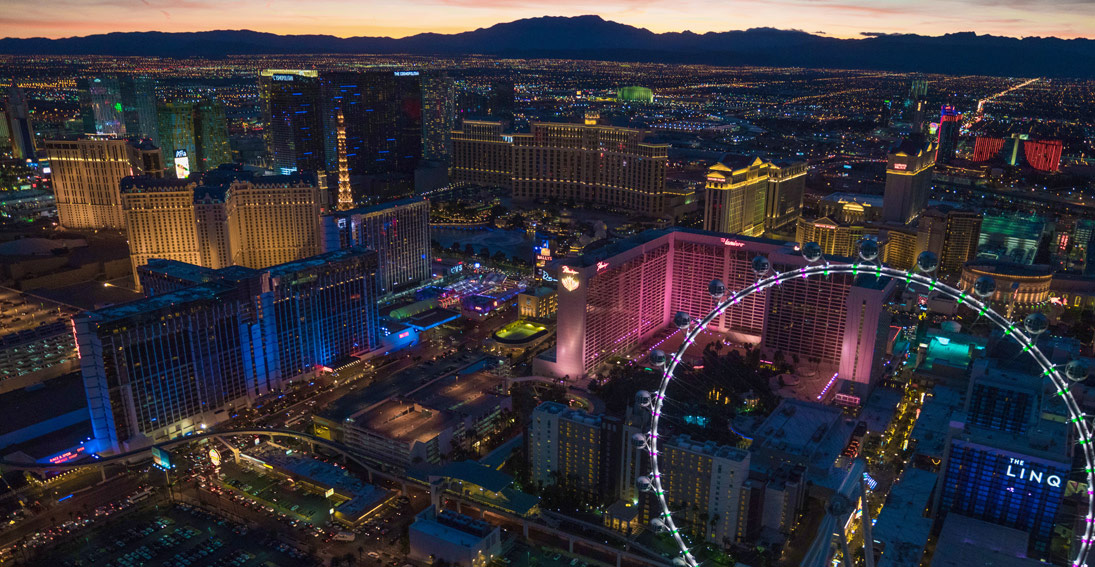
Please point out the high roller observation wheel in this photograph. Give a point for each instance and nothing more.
(650, 440)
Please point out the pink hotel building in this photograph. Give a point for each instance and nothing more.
(615, 298)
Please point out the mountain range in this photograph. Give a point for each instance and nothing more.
(591, 37)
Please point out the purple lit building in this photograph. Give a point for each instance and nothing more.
(614, 299)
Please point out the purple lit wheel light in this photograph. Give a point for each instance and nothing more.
(653, 482)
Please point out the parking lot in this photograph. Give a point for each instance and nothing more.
(287, 498)
(178, 536)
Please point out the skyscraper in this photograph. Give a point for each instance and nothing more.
(119, 105)
(746, 195)
(193, 136)
(176, 133)
(438, 116)
(952, 234)
(210, 136)
(950, 124)
(87, 175)
(398, 230)
(293, 120)
(19, 126)
(177, 362)
(786, 185)
(908, 179)
(382, 110)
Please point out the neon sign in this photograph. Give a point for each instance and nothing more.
(1032, 476)
(569, 270)
(570, 282)
(900, 165)
(601, 266)
(66, 456)
(734, 243)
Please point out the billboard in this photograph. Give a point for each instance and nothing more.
(161, 458)
(182, 164)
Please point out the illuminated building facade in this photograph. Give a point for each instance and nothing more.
(952, 234)
(20, 129)
(736, 198)
(1011, 479)
(398, 230)
(229, 218)
(438, 116)
(1018, 287)
(382, 110)
(986, 149)
(482, 155)
(345, 193)
(210, 136)
(180, 361)
(1043, 155)
(705, 481)
(786, 185)
(176, 134)
(587, 163)
(897, 245)
(908, 179)
(618, 297)
(950, 125)
(575, 448)
(293, 120)
(1013, 237)
(87, 175)
(123, 106)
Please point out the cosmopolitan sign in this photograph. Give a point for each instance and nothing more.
(1017, 469)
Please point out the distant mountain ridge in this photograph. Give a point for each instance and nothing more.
(591, 37)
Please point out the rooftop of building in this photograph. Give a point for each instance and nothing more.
(912, 145)
(179, 270)
(797, 426)
(404, 421)
(33, 405)
(53, 442)
(213, 184)
(902, 527)
(555, 408)
(930, 432)
(1047, 440)
(735, 162)
(966, 541)
(541, 291)
(879, 409)
(860, 198)
(379, 207)
(621, 246)
(434, 527)
(317, 261)
(475, 473)
(1004, 268)
(710, 448)
(175, 299)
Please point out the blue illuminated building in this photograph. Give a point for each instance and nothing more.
(399, 231)
(293, 120)
(382, 110)
(209, 341)
(1010, 479)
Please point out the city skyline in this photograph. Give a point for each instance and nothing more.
(1067, 19)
